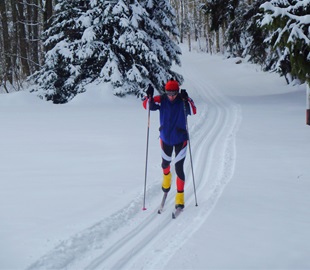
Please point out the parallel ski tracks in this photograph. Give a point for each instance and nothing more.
(142, 246)
(151, 239)
(121, 246)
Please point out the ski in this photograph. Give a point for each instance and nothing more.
(177, 212)
(162, 204)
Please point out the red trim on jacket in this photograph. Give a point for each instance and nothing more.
(191, 102)
(146, 100)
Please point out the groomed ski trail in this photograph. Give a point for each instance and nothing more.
(135, 239)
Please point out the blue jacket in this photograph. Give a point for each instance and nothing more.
(172, 118)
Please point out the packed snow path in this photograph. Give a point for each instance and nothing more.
(136, 239)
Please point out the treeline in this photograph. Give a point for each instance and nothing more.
(22, 52)
(274, 33)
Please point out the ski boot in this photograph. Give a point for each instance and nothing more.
(179, 200)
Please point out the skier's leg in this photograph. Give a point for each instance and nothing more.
(180, 151)
(166, 153)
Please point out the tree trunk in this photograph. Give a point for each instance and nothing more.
(217, 34)
(176, 4)
(14, 42)
(35, 35)
(182, 21)
(188, 29)
(6, 43)
(209, 35)
(48, 12)
(23, 39)
(196, 21)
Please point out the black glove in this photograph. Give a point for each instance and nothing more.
(184, 94)
(150, 91)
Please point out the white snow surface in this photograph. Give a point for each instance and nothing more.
(72, 177)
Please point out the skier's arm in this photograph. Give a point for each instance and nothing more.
(192, 106)
(189, 103)
(154, 103)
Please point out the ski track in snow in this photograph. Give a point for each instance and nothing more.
(135, 239)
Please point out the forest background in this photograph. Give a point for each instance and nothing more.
(273, 34)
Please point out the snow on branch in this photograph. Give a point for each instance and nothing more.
(297, 25)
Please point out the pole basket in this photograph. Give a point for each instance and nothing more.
(308, 117)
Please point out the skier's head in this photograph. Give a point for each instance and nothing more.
(172, 87)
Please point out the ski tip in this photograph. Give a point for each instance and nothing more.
(143, 208)
(159, 212)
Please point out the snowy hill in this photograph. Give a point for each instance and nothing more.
(72, 178)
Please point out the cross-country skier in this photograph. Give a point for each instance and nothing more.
(174, 106)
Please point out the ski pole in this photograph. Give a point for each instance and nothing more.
(189, 147)
(147, 151)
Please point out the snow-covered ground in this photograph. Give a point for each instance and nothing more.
(72, 178)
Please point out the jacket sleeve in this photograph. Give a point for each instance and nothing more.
(153, 102)
(191, 107)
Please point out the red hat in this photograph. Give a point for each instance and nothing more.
(172, 85)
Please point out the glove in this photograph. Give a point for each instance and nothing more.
(184, 94)
(150, 91)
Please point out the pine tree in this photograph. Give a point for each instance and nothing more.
(217, 10)
(140, 52)
(244, 37)
(288, 23)
(116, 42)
(60, 78)
(162, 22)
(118, 29)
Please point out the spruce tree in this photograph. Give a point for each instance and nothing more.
(288, 23)
(217, 10)
(60, 77)
(244, 37)
(161, 23)
(117, 42)
(140, 52)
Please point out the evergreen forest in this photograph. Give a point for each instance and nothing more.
(56, 47)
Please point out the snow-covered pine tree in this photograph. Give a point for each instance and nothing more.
(289, 24)
(220, 14)
(60, 78)
(140, 50)
(162, 22)
(114, 41)
(244, 37)
(217, 10)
